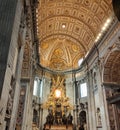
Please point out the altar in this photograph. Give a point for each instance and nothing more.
(58, 127)
(59, 115)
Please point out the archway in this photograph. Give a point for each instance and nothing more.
(82, 118)
(112, 68)
(111, 78)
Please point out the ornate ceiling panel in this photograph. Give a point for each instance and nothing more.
(67, 30)
(62, 54)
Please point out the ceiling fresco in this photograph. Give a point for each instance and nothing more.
(67, 30)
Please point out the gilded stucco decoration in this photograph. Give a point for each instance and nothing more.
(57, 96)
(60, 54)
(67, 30)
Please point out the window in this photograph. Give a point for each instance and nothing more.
(80, 61)
(83, 90)
(57, 93)
(35, 87)
(37, 91)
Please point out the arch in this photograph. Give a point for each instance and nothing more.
(111, 79)
(111, 71)
(82, 117)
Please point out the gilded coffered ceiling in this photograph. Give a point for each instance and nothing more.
(67, 29)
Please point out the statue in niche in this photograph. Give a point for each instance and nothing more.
(95, 79)
(82, 118)
(10, 102)
(99, 123)
(11, 96)
(9, 105)
(82, 106)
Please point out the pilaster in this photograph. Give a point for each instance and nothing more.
(7, 16)
(91, 102)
